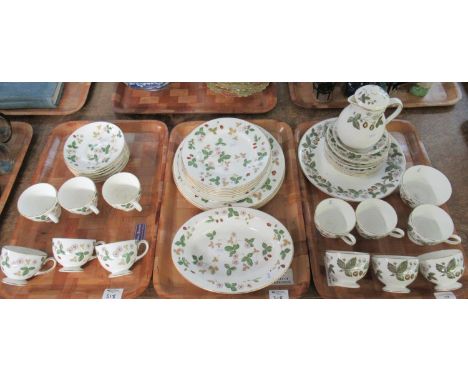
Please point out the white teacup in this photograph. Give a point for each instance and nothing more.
(79, 196)
(443, 268)
(39, 203)
(424, 185)
(20, 264)
(335, 218)
(345, 268)
(376, 219)
(118, 258)
(72, 254)
(430, 225)
(122, 191)
(395, 272)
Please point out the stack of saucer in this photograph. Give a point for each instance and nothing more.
(237, 89)
(352, 161)
(96, 150)
(228, 161)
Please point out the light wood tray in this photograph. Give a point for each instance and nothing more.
(175, 211)
(18, 145)
(190, 97)
(441, 94)
(73, 98)
(415, 153)
(147, 141)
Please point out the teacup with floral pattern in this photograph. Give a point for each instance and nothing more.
(72, 254)
(39, 203)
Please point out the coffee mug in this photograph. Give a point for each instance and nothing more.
(39, 203)
(345, 268)
(79, 196)
(430, 225)
(335, 218)
(20, 264)
(395, 272)
(424, 185)
(118, 258)
(72, 254)
(376, 219)
(122, 191)
(443, 268)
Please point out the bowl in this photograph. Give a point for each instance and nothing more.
(395, 272)
(443, 268)
(346, 268)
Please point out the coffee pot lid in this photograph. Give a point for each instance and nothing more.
(371, 97)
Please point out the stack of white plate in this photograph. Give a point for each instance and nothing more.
(97, 150)
(228, 161)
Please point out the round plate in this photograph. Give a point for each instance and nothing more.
(232, 250)
(226, 154)
(331, 181)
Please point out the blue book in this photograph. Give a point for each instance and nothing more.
(30, 95)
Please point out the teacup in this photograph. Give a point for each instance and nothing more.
(79, 196)
(122, 191)
(395, 272)
(443, 268)
(430, 225)
(376, 219)
(72, 254)
(424, 185)
(118, 258)
(344, 268)
(39, 203)
(335, 218)
(20, 264)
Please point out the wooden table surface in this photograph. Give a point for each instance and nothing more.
(443, 130)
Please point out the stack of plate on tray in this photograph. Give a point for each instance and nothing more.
(96, 150)
(228, 161)
(352, 161)
(237, 89)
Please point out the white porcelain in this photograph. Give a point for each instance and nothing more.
(376, 219)
(117, 258)
(39, 203)
(328, 179)
(19, 264)
(362, 123)
(346, 268)
(424, 185)
(395, 272)
(79, 196)
(123, 191)
(72, 254)
(443, 268)
(335, 218)
(430, 225)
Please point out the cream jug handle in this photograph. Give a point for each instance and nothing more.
(394, 102)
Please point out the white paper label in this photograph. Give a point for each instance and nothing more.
(113, 293)
(279, 293)
(286, 279)
(445, 295)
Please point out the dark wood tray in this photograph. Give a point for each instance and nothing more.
(18, 145)
(371, 287)
(285, 206)
(441, 94)
(190, 98)
(147, 141)
(73, 98)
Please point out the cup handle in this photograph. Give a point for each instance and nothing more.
(348, 239)
(144, 252)
(52, 217)
(47, 270)
(453, 239)
(397, 232)
(94, 256)
(137, 206)
(399, 104)
(94, 209)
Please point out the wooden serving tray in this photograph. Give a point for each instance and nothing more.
(415, 153)
(73, 98)
(190, 97)
(18, 145)
(285, 206)
(147, 141)
(441, 94)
